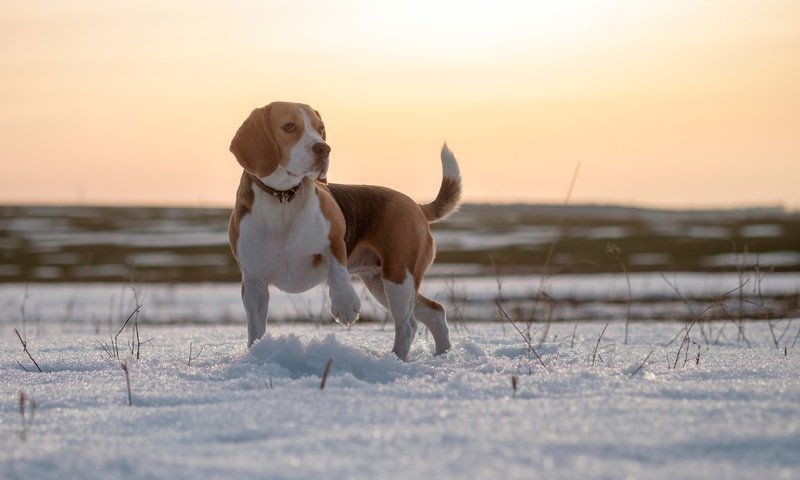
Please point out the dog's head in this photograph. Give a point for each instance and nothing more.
(283, 136)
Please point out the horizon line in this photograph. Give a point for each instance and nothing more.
(753, 207)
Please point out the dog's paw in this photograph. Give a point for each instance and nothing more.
(345, 305)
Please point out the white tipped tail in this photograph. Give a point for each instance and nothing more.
(446, 201)
(449, 165)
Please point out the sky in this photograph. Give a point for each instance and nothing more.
(679, 104)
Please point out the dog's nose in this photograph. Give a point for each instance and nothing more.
(321, 149)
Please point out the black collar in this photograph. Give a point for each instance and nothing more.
(281, 195)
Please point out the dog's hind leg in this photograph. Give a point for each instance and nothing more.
(427, 311)
(400, 297)
(374, 283)
(432, 315)
(255, 296)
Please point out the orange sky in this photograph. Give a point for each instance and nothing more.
(670, 104)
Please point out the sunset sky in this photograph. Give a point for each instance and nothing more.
(680, 104)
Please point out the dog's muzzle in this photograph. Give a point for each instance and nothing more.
(321, 151)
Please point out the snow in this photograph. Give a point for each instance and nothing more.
(607, 232)
(170, 259)
(765, 230)
(61, 239)
(530, 235)
(704, 231)
(589, 296)
(736, 414)
(765, 260)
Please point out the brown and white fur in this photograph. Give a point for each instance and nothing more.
(324, 232)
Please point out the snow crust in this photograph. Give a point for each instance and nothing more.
(735, 414)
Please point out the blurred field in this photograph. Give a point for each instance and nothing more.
(47, 244)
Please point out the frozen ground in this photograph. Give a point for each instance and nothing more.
(61, 243)
(736, 414)
(575, 296)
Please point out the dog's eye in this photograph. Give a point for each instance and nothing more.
(289, 127)
(322, 130)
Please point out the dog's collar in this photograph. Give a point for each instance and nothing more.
(281, 195)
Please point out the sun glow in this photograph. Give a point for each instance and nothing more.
(453, 32)
(152, 92)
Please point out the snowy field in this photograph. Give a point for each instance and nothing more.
(728, 406)
(601, 297)
(719, 410)
(720, 402)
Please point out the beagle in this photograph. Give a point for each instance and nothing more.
(291, 229)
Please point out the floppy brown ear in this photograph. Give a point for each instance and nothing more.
(253, 145)
(323, 176)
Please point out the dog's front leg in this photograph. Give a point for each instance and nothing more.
(345, 304)
(255, 296)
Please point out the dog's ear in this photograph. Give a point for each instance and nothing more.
(323, 175)
(253, 145)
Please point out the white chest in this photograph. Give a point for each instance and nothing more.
(284, 244)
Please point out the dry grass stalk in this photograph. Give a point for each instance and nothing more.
(687, 341)
(551, 303)
(325, 373)
(514, 381)
(22, 310)
(124, 366)
(785, 330)
(551, 250)
(524, 337)
(642, 364)
(718, 303)
(25, 349)
(572, 341)
(597, 345)
(772, 333)
(112, 349)
(777, 339)
(458, 300)
(26, 403)
(740, 273)
(193, 357)
(759, 277)
(616, 253)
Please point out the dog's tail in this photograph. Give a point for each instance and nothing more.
(446, 201)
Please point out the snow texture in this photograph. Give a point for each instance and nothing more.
(215, 303)
(736, 414)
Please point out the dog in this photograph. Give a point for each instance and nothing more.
(292, 229)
